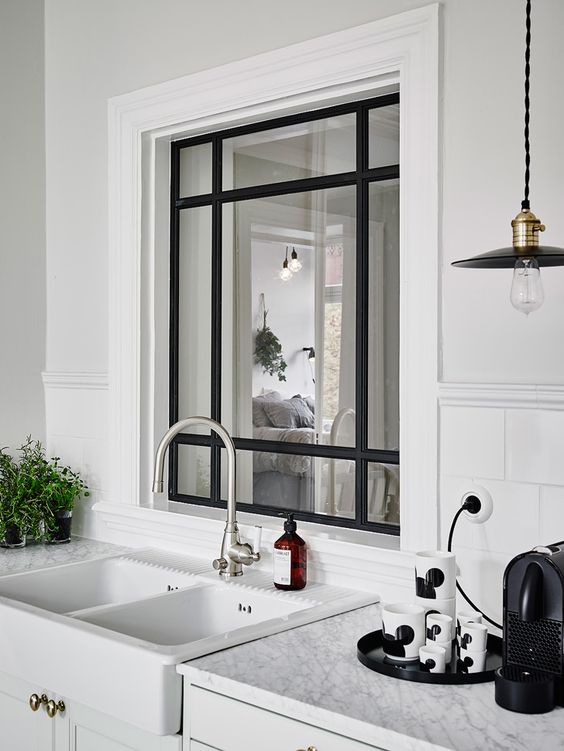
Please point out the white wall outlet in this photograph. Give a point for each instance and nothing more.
(486, 504)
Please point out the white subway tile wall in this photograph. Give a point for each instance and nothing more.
(77, 412)
(514, 525)
(472, 442)
(77, 432)
(518, 456)
(481, 577)
(552, 514)
(534, 448)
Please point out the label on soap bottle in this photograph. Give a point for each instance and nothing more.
(282, 560)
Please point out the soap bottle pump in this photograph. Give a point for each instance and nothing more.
(290, 558)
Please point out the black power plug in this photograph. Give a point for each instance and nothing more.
(472, 504)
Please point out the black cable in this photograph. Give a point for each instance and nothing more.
(462, 592)
(525, 203)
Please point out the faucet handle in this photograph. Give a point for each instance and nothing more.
(220, 564)
(258, 538)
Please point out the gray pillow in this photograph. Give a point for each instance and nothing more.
(260, 418)
(309, 400)
(289, 413)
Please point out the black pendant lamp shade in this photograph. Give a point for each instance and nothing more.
(504, 258)
(525, 253)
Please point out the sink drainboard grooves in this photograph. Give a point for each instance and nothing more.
(170, 561)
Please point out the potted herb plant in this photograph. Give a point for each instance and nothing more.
(11, 533)
(61, 489)
(20, 505)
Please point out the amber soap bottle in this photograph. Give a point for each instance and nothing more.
(290, 558)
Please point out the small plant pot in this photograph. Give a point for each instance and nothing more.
(13, 537)
(62, 532)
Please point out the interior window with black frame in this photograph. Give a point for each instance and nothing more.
(284, 314)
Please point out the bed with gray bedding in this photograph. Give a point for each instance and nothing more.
(283, 480)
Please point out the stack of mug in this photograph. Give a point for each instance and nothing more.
(471, 642)
(435, 584)
(426, 628)
(435, 592)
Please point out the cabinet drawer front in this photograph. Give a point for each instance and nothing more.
(222, 722)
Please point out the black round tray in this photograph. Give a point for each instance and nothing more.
(371, 654)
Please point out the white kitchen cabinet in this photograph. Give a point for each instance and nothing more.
(77, 728)
(92, 731)
(21, 729)
(214, 722)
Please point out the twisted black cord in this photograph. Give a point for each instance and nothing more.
(525, 203)
(462, 592)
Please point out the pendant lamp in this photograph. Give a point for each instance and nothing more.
(525, 256)
(285, 274)
(295, 263)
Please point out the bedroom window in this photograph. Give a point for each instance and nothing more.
(302, 367)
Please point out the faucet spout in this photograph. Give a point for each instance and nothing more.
(233, 552)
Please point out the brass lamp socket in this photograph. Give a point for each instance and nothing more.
(526, 227)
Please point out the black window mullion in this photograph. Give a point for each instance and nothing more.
(298, 117)
(302, 185)
(361, 373)
(306, 516)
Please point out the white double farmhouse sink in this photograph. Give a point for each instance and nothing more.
(109, 633)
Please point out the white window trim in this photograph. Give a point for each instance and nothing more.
(358, 62)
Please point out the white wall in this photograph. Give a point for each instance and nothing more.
(97, 50)
(22, 221)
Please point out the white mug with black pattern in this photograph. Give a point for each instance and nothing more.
(432, 658)
(447, 607)
(467, 616)
(439, 628)
(435, 574)
(403, 631)
(471, 662)
(439, 632)
(473, 637)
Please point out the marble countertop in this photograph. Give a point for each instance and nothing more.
(312, 674)
(35, 555)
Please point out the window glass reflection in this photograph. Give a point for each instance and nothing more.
(289, 338)
(383, 136)
(318, 147)
(294, 482)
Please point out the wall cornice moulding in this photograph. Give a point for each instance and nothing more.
(75, 380)
(501, 395)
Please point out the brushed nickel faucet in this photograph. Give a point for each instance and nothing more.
(234, 553)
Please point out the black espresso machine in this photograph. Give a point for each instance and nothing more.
(531, 678)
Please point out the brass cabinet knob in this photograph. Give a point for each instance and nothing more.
(34, 702)
(54, 707)
(309, 748)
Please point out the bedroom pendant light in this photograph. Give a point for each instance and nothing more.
(525, 256)
(285, 274)
(295, 264)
